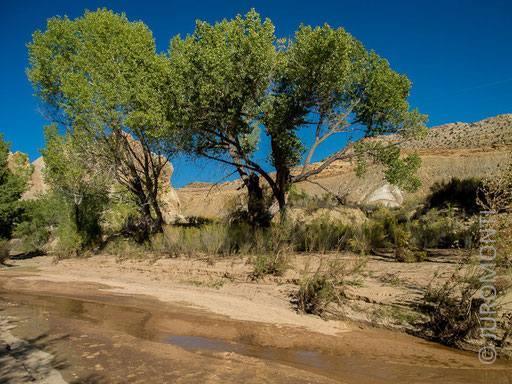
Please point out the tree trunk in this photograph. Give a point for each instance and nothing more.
(256, 202)
(78, 220)
(147, 222)
(159, 221)
(282, 178)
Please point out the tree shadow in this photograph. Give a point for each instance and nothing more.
(20, 359)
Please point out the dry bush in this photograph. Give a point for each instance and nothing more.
(454, 305)
(326, 284)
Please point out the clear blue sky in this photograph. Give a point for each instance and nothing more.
(458, 54)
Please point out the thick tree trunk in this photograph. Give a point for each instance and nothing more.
(147, 222)
(282, 178)
(159, 220)
(78, 218)
(255, 193)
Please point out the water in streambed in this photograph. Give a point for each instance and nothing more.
(133, 321)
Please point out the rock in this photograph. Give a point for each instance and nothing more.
(38, 185)
(387, 195)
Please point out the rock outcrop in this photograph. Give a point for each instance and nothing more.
(169, 200)
(37, 184)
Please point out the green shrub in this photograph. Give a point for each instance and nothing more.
(370, 235)
(456, 192)
(274, 264)
(325, 285)
(403, 250)
(41, 218)
(126, 248)
(321, 235)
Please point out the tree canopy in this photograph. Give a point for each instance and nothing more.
(237, 80)
(214, 94)
(99, 77)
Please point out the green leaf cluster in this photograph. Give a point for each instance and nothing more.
(12, 186)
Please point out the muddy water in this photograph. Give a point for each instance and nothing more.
(138, 321)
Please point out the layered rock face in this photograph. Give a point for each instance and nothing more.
(38, 185)
(460, 150)
(169, 201)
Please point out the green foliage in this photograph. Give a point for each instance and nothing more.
(269, 264)
(126, 248)
(239, 238)
(12, 186)
(321, 235)
(443, 229)
(328, 82)
(456, 192)
(236, 77)
(224, 71)
(100, 78)
(403, 250)
(42, 215)
(400, 171)
(82, 188)
(98, 70)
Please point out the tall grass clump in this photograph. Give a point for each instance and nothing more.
(321, 235)
(239, 238)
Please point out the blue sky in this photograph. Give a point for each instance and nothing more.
(458, 54)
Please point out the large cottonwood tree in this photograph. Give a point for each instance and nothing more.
(99, 76)
(237, 80)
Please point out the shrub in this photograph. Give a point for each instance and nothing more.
(321, 235)
(270, 264)
(125, 248)
(369, 236)
(456, 192)
(440, 229)
(41, 218)
(403, 250)
(326, 285)
(453, 307)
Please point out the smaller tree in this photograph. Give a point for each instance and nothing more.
(12, 186)
(83, 189)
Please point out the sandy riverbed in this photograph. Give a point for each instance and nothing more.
(182, 320)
